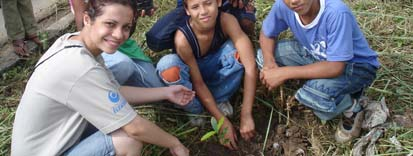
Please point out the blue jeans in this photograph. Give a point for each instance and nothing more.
(327, 97)
(97, 144)
(220, 70)
(132, 72)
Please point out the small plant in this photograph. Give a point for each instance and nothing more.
(216, 131)
(44, 38)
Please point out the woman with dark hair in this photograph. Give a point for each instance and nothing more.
(71, 89)
(129, 64)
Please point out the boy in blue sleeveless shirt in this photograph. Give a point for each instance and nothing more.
(329, 50)
(212, 65)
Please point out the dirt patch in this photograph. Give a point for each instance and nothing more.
(289, 141)
(405, 120)
(292, 140)
(246, 148)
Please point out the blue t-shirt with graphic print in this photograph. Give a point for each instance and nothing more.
(333, 35)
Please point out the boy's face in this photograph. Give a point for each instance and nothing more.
(301, 7)
(202, 12)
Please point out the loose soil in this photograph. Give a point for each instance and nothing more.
(292, 140)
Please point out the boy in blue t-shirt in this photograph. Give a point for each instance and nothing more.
(329, 50)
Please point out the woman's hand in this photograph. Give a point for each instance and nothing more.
(179, 94)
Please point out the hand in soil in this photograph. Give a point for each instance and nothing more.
(247, 126)
(179, 150)
(230, 135)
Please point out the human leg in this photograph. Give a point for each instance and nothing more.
(122, 66)
(327, 97)
(13, 22)
(14, 27)
(125, 145)
(287, 53)
(161, 34)
(173, 71)
(331, 97)
(132, 72)
(96, 144)
(117, 143)
(145, 75)
(25, 8)
(222, 72)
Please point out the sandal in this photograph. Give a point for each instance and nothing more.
(20, 48)
(146, 7)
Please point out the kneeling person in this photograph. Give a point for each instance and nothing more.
(212, 53)
(330, 51)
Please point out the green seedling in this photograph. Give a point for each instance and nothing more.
(216, 126)
(44, 37)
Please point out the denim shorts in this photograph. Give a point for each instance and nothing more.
(97, 144)
(327, 97)
(220, 70)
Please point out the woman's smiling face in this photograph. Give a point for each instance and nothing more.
(106, 32)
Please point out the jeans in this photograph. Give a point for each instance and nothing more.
(161, 35)
(97, 144)
(220, 70)
(330, 96)
(132, 72)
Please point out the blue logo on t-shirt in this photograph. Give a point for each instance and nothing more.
(113, 96)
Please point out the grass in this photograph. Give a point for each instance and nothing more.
(387, 25)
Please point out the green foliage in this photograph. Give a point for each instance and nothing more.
(216, 126)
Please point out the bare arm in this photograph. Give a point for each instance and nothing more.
(272, 76)
(324, 69)
(268, 46)
(244, 47)
(177, 94)
(145, 131)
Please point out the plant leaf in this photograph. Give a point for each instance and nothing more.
(207, 135)
(220, 122)
(214, 124)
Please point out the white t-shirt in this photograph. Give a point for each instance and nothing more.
(64, 93)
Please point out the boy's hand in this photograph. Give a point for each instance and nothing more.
(230, 135)
(273, 78)
(247, 127)
(179, 150)
(179, 94)
(267, 66)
